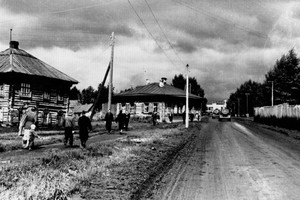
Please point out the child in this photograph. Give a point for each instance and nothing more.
(28, 137)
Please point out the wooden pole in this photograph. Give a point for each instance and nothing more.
(110, 89)
(99, 92)
(187, 98)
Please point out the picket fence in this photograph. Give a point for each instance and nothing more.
(279, 111)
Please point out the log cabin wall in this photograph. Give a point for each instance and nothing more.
(51, 99)
(4, 102)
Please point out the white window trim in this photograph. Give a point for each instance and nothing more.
(60, 97)
(46, 95)
(27, 92)
(2, 90)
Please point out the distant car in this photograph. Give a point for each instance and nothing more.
(225, 114)
(215, 113)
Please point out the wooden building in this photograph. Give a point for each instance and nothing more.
(160, 97)
(24, 79)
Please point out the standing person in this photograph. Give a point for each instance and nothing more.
(192, 116)
(85, 125)
(127, 117)
(170, 114)
(183, 117)
(69, 124)
(154, 118)
(108, 119)
(28, 118)
(121, 119)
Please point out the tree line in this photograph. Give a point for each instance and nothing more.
(284, 78)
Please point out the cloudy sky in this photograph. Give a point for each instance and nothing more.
(225, 42)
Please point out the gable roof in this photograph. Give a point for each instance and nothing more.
(25, 63)
(83, 107)
(154, 89)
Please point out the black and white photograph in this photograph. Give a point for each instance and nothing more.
(149, 99)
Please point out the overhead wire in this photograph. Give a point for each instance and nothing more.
(222, 20)
(149, 32)
(156, 20)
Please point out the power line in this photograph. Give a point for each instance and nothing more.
(149, 32)
(222, 20)
(164, 33)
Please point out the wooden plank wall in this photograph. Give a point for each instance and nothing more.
(4, 104)
(52, 105)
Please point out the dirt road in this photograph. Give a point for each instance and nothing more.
(233, 160)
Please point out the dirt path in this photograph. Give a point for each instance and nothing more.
(228, 160)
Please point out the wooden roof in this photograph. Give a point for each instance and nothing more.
(24, 63)
(153, 91)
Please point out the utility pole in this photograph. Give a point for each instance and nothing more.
(238, 107)
(272, 92)
(187, 98)
(272, 97)
(10, 35)
(110, 89)
(247, 113)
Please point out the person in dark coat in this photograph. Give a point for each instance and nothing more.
(154, 118)
(183, 117)
(121, 120)
(85, 125)
(108, 119)
(192, 116)
(127, 117)
(171, 115)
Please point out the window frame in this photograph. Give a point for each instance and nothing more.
(2, 90)
(25, 90)
(46, 95)
(60, 97)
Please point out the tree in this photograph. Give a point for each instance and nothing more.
(88, 95)
(75, 94)
(179, 82)
(286, 78)
(249, 89)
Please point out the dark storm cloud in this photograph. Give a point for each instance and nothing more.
(229, 42)
(71, 24)
(185, 46)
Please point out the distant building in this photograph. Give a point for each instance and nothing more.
(220, 105)
(24, 79)
(160, 97)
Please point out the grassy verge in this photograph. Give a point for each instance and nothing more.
(11, 140)
(112, 170)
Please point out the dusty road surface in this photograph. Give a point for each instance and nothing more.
(233, 160)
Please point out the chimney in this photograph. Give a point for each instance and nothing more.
(14, 44)
(147, 81)
(164, 80)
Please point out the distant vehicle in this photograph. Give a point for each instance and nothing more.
(215, 113)
(225, 114)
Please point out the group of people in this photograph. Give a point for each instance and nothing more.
(29, 119)
(192, 116)
(84, 124)
(122, 119)
(28, 123)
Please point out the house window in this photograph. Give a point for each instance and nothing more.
(46, 95)
(25, 90)
(2, 90)
(60, 97)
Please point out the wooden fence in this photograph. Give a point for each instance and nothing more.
(283, 115)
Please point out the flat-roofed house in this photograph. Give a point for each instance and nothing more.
(24, 79)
